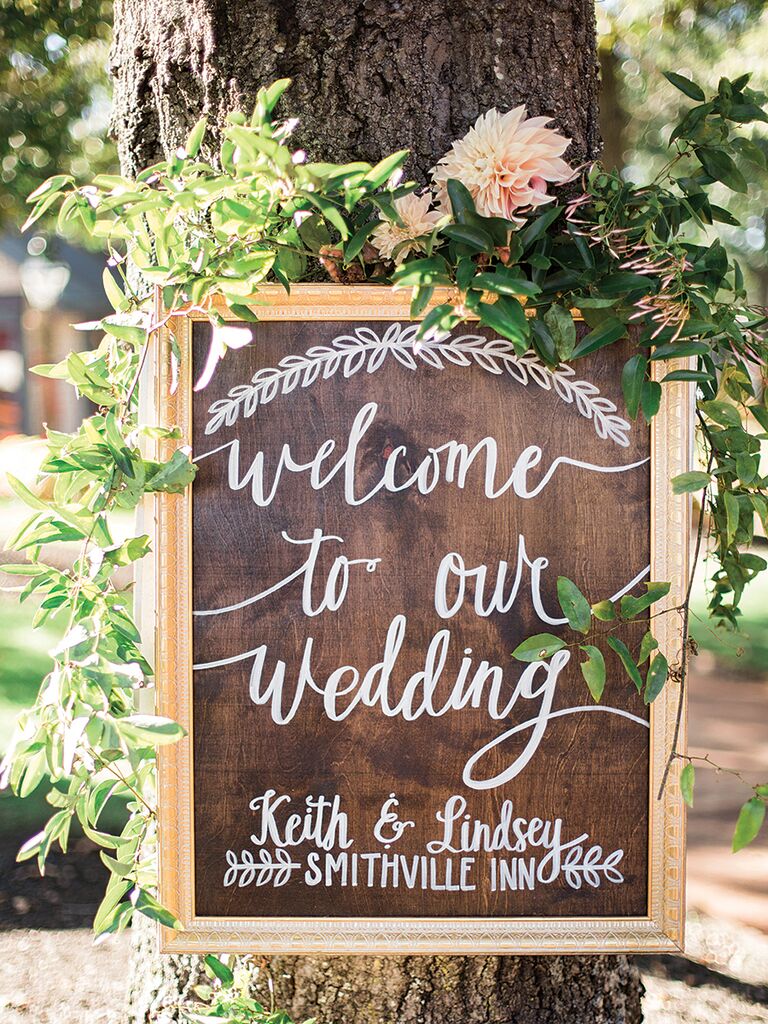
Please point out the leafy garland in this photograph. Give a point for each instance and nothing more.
(201, 229)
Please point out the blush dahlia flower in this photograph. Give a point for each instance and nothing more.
(505, 161)
(414, 211)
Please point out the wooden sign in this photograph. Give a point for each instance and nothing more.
(375, 526)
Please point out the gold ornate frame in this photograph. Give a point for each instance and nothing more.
(167, 603)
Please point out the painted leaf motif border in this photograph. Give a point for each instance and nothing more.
(364, 348)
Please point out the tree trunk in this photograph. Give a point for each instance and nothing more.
(370, 77)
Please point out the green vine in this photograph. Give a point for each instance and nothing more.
(629, 257)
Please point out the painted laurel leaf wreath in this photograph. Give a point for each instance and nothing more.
(365, 348)
(252, 871)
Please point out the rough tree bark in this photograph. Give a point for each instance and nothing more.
(372, 76)
(369, 76)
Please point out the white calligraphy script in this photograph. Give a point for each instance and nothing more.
(433, 691)
(452, 461)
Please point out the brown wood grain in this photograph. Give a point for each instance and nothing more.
(591, 769)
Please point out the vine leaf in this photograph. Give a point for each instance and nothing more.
(538, 647)
(731, 516)
(562, 329)
(146, 904)
(694, 480)
(749, 822)
(605, 611)
(685, 85)
(151, 730)
(648, 645)
(574, 605)
(219, 970)
(632, 377)
(632, 606)
(626, 660)
(593, 670)
(658, 671)
(687, 780)
(172, 476)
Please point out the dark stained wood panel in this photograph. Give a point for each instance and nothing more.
(589, 772)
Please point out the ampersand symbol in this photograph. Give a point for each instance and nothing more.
(389, 819)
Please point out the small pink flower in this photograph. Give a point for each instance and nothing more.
(506, 162)
(414, 211)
